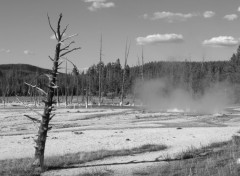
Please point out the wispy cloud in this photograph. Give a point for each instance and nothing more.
(145, 16)
(170, 16)
(28, 52)
(52, 37)
(230, 17)
(208, 14)
(5, 50)
(159, 38)
(221, 41)
(99, 4)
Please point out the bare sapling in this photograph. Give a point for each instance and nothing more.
(75, 73)
(100, 74)
(66, 86)
(142, 66)
(87, 90)
(48, 95)
(127, 49)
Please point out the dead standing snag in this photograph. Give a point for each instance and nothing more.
(48, 98)
(127, 49)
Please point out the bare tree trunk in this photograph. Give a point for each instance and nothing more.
(142, 66)
(7, 95)
(48, 107)
(58, 100)
(87, 90)
(66, 96)
(100, 73)
(4, 100)
(127, 48)
(43, 129)
(87, 97)
(77, 91)
(62, 95)
(75, 73)
(122, 89)
(31, 95)
(35, 98)
(72, 89)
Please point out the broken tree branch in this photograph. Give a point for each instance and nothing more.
(64, 31)
(70, 51)
(39, 89)
(127, 51)
(52, 117)
(60, 63)
(33, 119)
(51, 58)
(69, 37)
(58, 28)
(52, 27)
(70, 62)
(67, 47)
(28, 107)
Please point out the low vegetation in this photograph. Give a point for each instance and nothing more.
(23, 167)
(217, 159)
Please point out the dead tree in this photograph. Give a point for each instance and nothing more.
(127, 49)
(66, 86)
(49, 94)
(142, 66)
(87, 90)
(75, 73)
(77, 91)
(100, 72)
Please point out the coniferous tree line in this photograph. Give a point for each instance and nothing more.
(192, 76)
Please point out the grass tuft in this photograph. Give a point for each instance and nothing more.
(216, 159)
(83, 157)
(17, 167)
(23, 167)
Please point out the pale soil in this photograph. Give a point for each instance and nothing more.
(113, 129)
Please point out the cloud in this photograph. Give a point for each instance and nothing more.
(28, 52)
(170, 16)
(5, 50)
(99, 4)
(52, 37)
(159, 38)
(208, 14)
(145, 16)
(239, 8)
(230, 17)
(221, 41)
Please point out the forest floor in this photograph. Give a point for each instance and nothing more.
(113, 128)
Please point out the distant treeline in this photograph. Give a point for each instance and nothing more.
(192, 76)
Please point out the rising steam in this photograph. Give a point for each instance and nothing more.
(160, 95)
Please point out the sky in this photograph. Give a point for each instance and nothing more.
(176, 30)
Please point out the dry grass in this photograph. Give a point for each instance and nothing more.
(16, 167)
(217, 159)
(22, 167)
(82, 157)
(97, 172)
